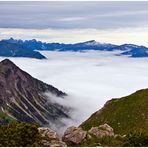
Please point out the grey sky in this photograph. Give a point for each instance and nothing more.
(73, 15)
(71, 22)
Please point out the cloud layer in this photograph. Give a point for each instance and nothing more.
(89, 78)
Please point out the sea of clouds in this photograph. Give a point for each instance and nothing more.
(89, 78)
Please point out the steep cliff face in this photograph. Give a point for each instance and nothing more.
(23, 98)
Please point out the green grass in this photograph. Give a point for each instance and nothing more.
(4, 118)
(124, 114)
(104, 141)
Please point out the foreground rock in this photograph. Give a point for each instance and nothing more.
(74, 135)
(49, 138)
(101, 131)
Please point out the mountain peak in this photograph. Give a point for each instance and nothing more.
(8, 67)
(23, 97)
(11, 38)
(91, 41)
(7, 62)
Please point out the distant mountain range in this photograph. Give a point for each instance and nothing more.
(8, 49)
(28, 48)
(23, 97)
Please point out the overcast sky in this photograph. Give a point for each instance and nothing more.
(115, 22)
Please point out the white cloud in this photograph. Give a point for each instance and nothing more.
(67, 19)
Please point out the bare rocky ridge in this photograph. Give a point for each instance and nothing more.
(23, 97)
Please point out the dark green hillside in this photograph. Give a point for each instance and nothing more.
(126, 114)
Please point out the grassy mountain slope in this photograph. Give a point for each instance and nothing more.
(124, 114)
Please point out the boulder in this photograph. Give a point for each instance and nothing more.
(50, 138)
(101, 131)
(106, 127)
(74, 135)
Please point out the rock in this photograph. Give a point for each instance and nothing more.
(58, 144)
(50, 138)
(48, 133)
(69, 130)
(74, 135)
(101, 131)
(106, 127)
(89, 137)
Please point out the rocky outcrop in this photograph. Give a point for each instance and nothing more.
(101, 131)
(49, 138)
(74, 135)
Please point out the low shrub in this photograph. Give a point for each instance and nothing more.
(18, 134)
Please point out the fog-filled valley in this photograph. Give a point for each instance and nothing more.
(89, 78)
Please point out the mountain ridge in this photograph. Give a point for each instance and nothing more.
(130, 50)
(8, 49)
(23, 97)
